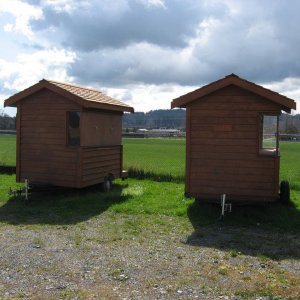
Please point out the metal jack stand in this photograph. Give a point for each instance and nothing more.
(225, 206)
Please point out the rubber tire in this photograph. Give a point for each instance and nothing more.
(107, 185)
(285, 192)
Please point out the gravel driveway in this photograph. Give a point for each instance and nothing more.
(105, 258)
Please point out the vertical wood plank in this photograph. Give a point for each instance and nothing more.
(188, 150)
(18, 141)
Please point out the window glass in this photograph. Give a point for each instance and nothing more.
(74, 128)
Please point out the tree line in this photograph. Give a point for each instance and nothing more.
(7, 122)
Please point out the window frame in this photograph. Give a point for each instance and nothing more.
(67, 128)
(267, 151)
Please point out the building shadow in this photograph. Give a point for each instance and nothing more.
(60, 206)
(8, 170)
(270, 230)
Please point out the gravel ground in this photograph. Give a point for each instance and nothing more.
(102, 258)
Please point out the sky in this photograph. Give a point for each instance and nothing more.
(148, 52)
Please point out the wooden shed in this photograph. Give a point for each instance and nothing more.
(67, 135)
(232, 140)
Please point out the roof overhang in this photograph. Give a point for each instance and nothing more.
(286, 103)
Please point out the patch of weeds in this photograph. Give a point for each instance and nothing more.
(39, 243)
(95, 240)
(119, 274)
(64, 227)
(246, 278)
(247, 294)
(77, 239)
(204, 289)
(140, 173)
(263, 257)
(70, 294)
(132, 226)
(81, 226)
(223, 270)
(234, 253)
(20, 295)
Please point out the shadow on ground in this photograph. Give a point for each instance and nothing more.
(60, 206)
(270, 231)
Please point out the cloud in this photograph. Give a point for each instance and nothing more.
(23, 13)
(290, 87)
(92, 25)
(155, 41)
(138, 63)
(27, 69)
(148, 97)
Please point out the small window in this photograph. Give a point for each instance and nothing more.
(269, 134)
(73, 128)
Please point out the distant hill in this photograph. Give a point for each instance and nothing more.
(162, 118)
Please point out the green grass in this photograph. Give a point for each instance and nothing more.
(130, 197)
(290, 164)
(7, 149)
(156, 158)
(141, 198)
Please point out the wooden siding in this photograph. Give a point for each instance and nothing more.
(223, 147)
(101, 128)
(43, 153)
(100, 162)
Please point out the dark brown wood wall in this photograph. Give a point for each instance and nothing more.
(223, 147)
(43, 153)
(101, 128)
(99, 162)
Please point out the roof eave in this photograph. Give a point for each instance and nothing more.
(111, 107)
(13, 100)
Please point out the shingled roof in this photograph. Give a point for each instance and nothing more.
(286, 103)
(86, 97)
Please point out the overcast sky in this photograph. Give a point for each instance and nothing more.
(147, 52)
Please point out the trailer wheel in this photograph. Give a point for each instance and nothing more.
(107, 185)
(285, 192)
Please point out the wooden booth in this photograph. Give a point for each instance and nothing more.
(67, 135)
(232, 140)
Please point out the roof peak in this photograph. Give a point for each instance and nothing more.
(232, 75)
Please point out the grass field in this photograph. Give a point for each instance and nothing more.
(155, 158)
(7, 149)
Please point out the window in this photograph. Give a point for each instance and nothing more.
(269, 134)
(73, 128)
